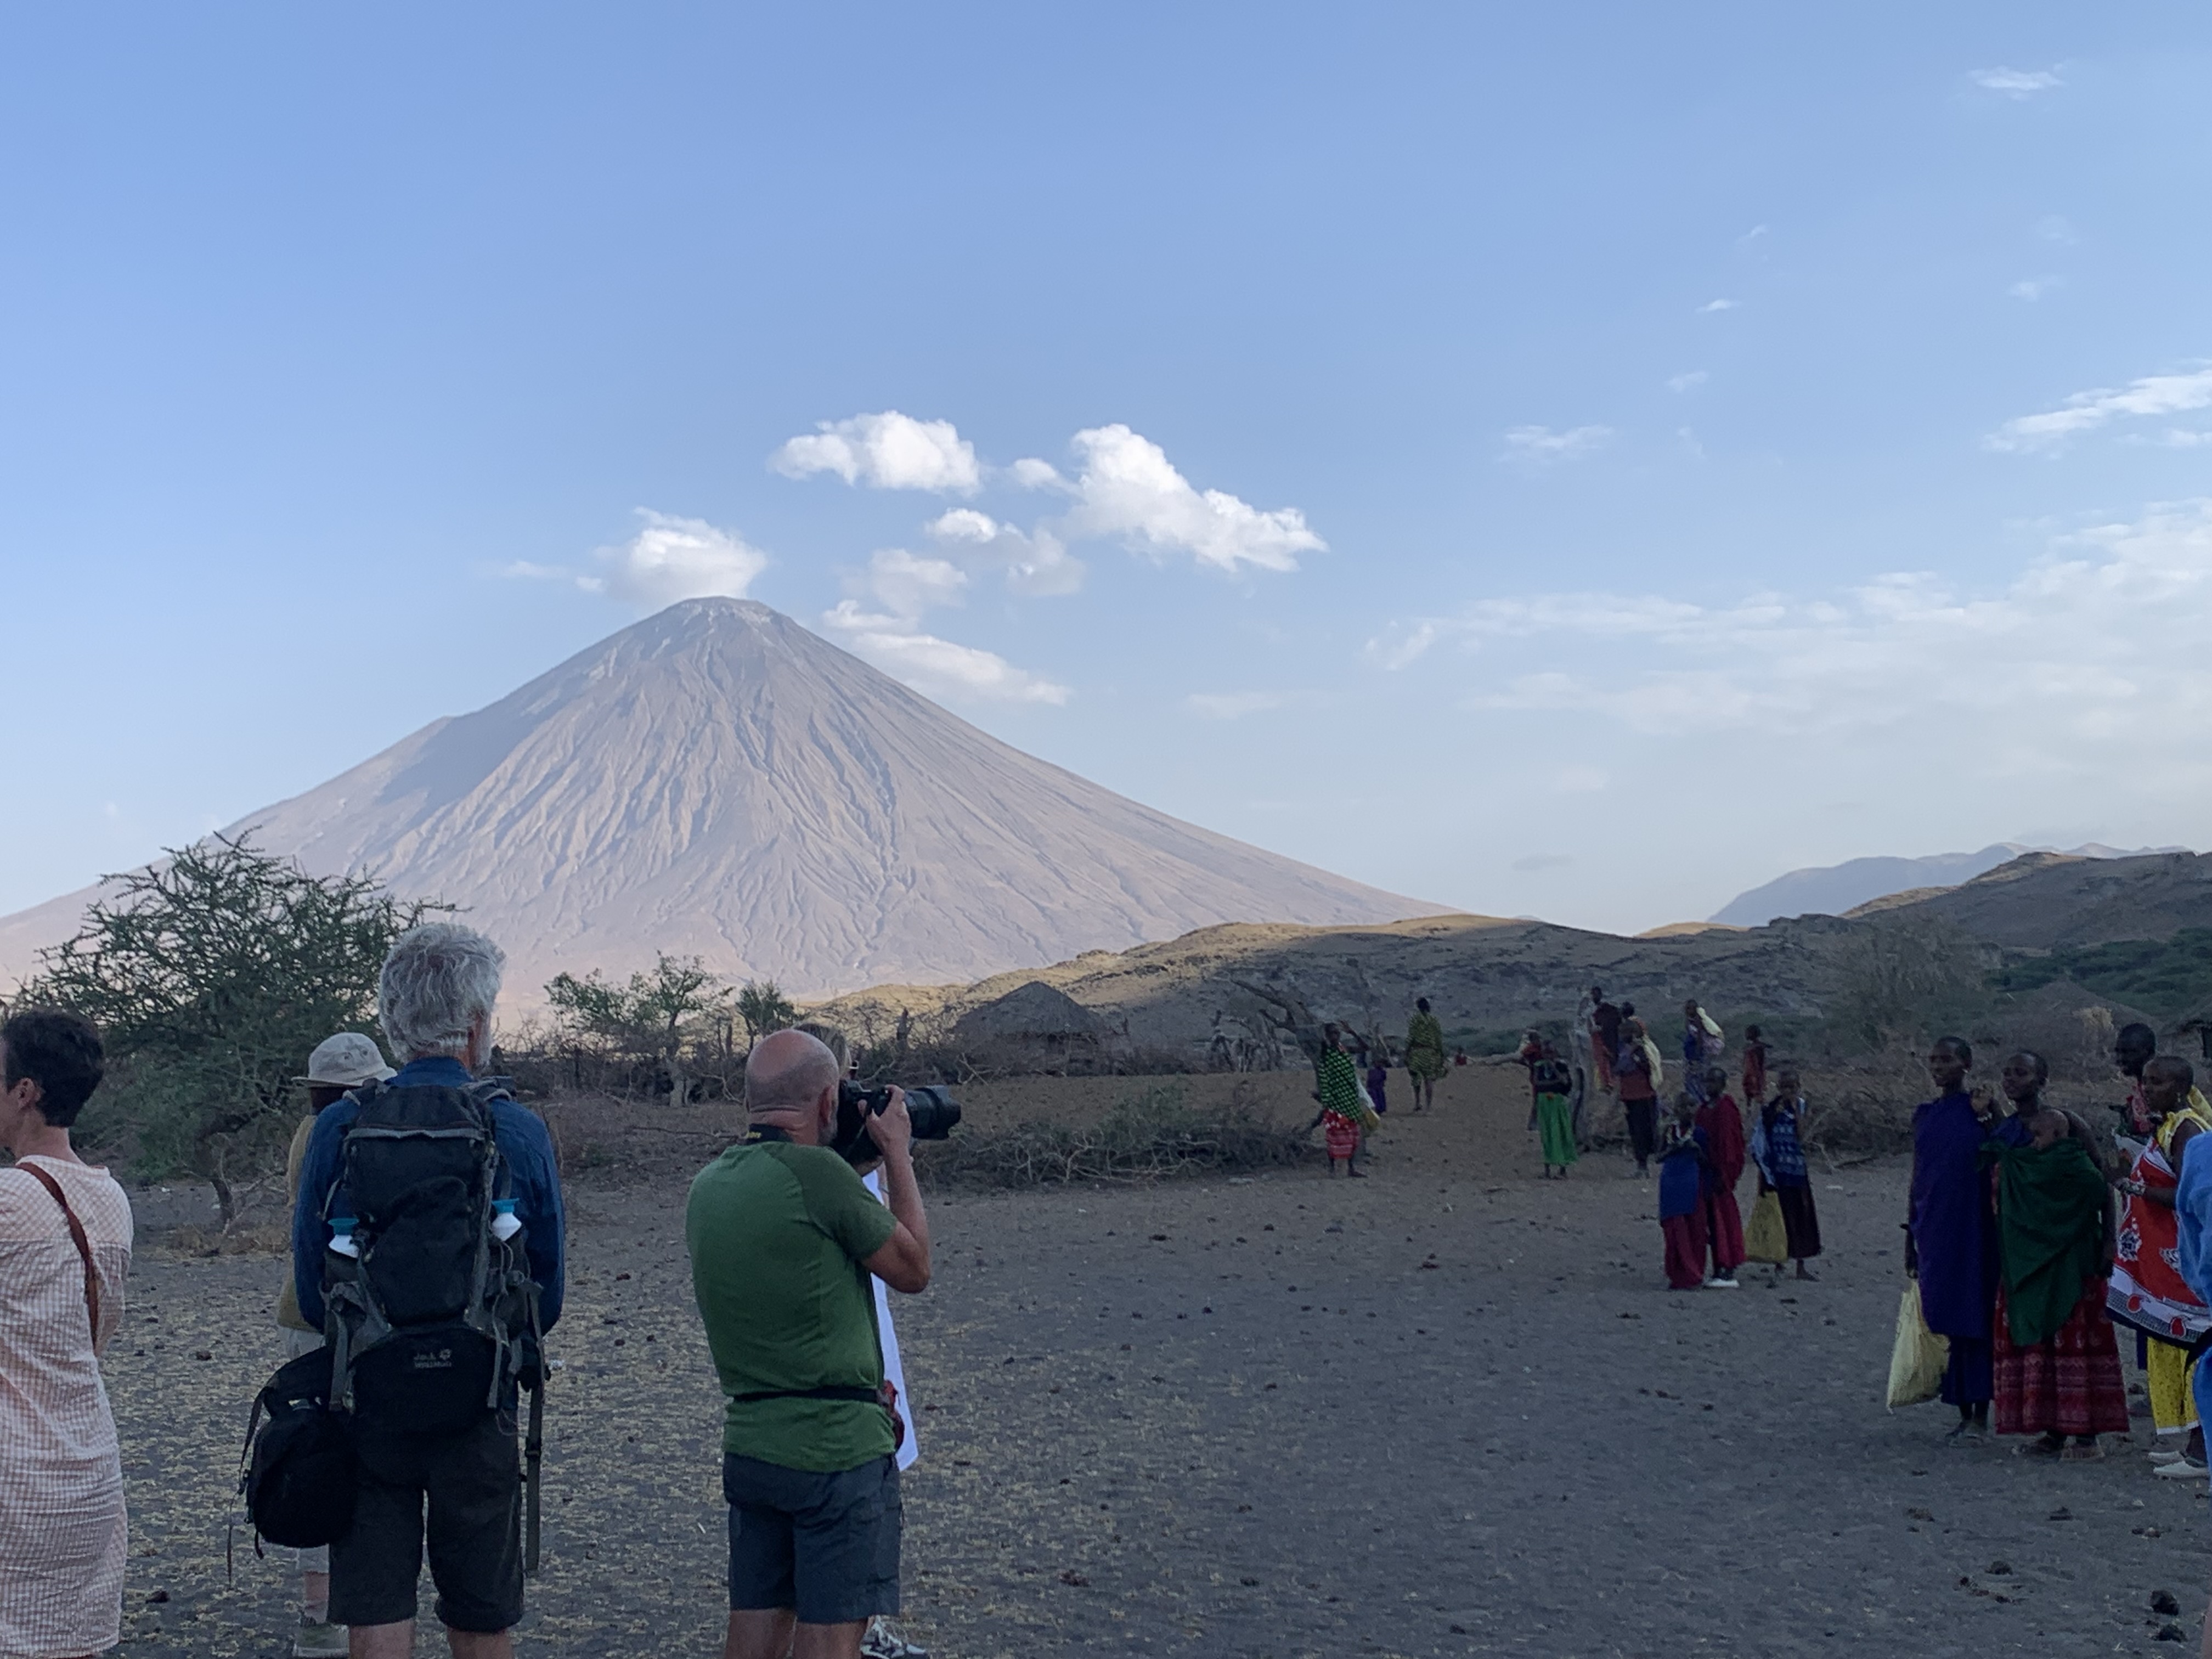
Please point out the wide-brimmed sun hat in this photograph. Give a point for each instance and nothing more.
(345, 1061)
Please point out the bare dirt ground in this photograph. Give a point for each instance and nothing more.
(1450, 1409)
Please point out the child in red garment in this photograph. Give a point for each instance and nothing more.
(1682, 1171)
(1755, 1065)
(1724, 1155)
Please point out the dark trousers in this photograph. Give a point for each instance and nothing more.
(1642, 1128)
(1970, 1378)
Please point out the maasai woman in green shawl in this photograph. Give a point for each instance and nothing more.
(1424, 1054)
(1344, 1110)
(2058, 1367)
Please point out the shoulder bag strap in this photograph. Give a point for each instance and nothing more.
(77, 1238)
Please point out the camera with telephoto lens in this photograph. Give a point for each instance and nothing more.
(931, 1111)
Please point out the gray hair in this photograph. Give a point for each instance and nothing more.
(439, 979)
(787, 1071)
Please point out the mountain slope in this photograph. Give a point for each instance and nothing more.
(1835, 890)
(715, 780)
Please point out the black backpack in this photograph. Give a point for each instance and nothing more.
(436, 1317)
(300, 1480)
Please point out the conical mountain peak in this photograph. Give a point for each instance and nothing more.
(715, 780)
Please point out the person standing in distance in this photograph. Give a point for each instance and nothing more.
(338, 1064)
(783, 1239)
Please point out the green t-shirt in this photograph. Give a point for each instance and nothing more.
(777, 1232)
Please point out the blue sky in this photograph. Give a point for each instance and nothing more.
(1650, 448)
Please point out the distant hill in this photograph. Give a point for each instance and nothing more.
(2066, 902)
(716, 779)
(1491, 978)
(1837, 889)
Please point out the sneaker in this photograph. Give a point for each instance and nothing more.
(2182, 1468)
(319, 1641)
(2164, 1456)
(884, 1641)
(1728, 1284)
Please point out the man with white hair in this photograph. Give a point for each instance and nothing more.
(783, 1239)
(435, 1000)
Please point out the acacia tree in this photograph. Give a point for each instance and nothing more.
(764, 1008)
(211, 975)
(650, 1019)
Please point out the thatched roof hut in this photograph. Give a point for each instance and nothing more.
(1033, 1013)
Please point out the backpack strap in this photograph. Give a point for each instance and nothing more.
(77, 1238)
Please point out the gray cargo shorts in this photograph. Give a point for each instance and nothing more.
(825, 1545)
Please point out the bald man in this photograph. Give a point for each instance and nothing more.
(783, 1239)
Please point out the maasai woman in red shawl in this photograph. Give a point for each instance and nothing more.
(1724, 1128)
(2146, 1290)
(2058, 1367)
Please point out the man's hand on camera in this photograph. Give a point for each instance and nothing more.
(903, 1263)
(892, 1130)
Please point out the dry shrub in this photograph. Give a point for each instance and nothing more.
(1864, 1107)
(268, 1238)
(1142, 1138)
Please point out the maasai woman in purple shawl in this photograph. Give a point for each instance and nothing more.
(1949, 1234)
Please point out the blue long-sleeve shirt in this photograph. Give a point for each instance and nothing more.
(2193, 1211)
(523, 1142)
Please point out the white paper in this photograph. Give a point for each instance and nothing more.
(910, 1449)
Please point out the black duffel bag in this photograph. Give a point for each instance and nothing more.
(300, 1480)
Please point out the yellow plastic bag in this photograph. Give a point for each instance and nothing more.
(1765, 1236)
(1918, 1359)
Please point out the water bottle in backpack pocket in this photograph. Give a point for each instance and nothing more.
(432, 1318)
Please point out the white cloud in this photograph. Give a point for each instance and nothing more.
(1718, 305)
(2177, 437)
(911, 587)
(888, 451)
(963, 524)
(1751, 236)
(2083, 673)
(1539, 446)
(937, 666)
(1033, 562)
(1689, 382)
(1126, 488)
(907, 586)
(1234, 705)
(2034, 287)
(674, 559)
(2016, 83)
(2084, 411)
(2053, 227)
(1033, 474)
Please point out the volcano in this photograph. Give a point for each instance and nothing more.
(717, 782)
